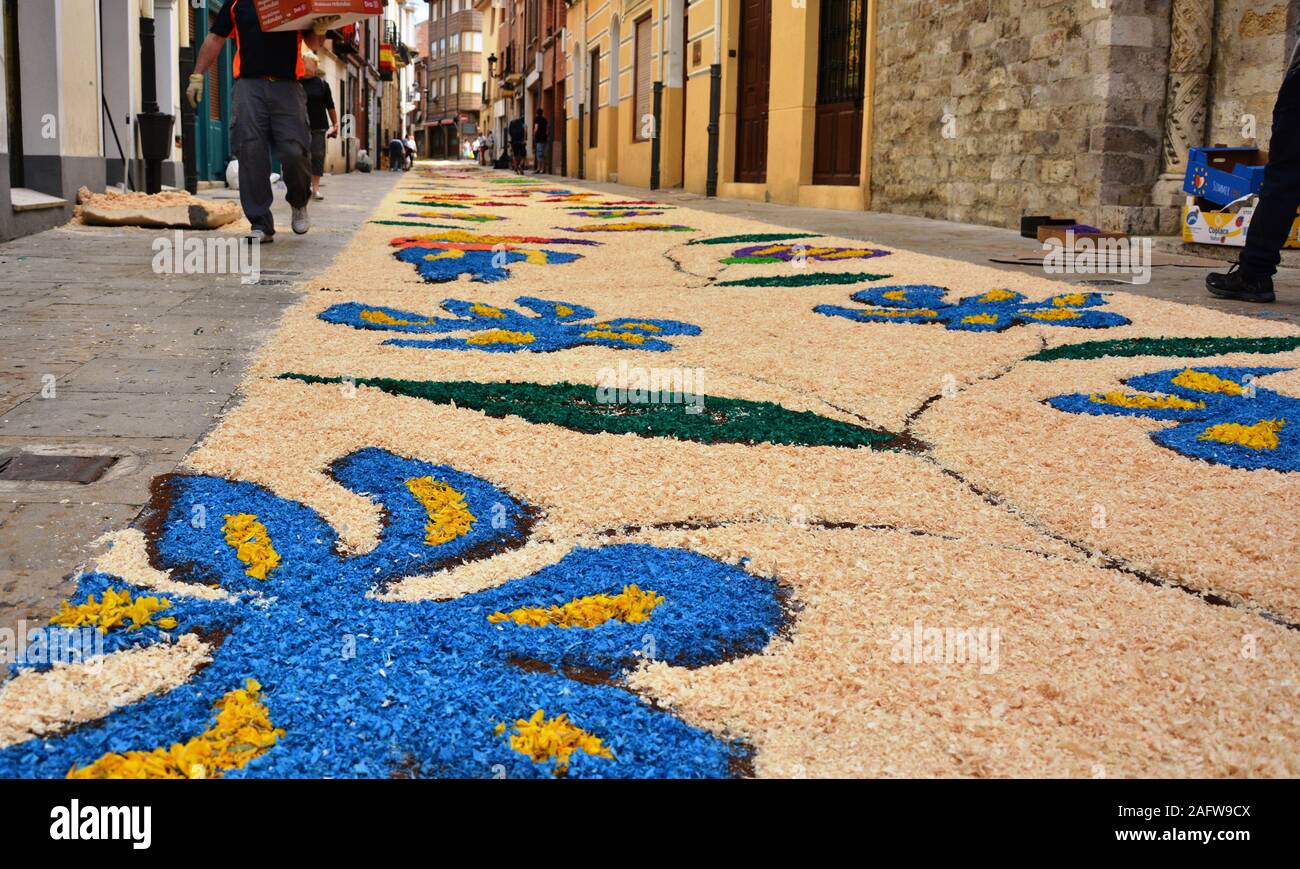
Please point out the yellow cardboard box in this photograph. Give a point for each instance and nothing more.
(1203, 224)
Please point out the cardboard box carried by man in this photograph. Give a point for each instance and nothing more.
(320, 14)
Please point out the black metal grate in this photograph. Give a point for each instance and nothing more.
(841, 61)
(29, 467)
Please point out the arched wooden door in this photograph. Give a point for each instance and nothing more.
(841, 85)
(754, 62)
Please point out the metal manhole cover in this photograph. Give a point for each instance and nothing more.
(30, 467)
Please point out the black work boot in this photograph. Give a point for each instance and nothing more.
(1240, 285)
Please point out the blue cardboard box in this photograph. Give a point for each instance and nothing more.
(1223, 175)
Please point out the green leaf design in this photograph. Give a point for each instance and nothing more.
(754, 238)
(1189, 347)
(749, 260)
(578, 407)
(810, 279)
(416, 223)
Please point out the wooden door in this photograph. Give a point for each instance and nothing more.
(755, 55)
(841, 84)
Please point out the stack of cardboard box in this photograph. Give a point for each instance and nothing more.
(1223, 187)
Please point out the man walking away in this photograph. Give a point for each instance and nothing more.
(1251, 280)
(270, 111)
(540, 137)
(518, 147)
(396, 154)
(322, 118)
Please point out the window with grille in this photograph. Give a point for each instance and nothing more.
(841, 72)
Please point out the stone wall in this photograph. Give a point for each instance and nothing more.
(1250, 54)
(1054, 107)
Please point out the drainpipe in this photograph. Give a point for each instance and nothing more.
(657, 98)
(155, 128)
(715, 101)
(583, 77)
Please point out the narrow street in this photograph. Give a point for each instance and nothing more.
(529, 451)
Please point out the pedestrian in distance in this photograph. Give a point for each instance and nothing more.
(518, 145)
(322, 118)
(270, 111)
(396, 154)
(1251, 279)
(541, 131)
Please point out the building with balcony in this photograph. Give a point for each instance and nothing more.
(453, 74)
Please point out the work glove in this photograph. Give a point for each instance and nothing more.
(324, 23)
(194, 92)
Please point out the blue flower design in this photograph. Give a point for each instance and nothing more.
(1223, 417)
(363, 686)
(990, 312)
(555, 326)
(445, 256)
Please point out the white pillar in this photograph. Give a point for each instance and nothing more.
(40, 68)
(119, 41)
(168, 57)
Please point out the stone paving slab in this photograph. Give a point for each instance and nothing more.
(126, 482)
(110, 414)
(142, 364)
(156, 375)
(45, 541)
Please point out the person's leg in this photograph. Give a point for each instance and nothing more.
(249, 135)
(317, 161)
(291, 138)
(1280, 196)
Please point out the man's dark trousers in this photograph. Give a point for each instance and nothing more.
(270, 114)
(1280, 196)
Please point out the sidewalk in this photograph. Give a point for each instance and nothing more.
(1175, 278)
(103, 357)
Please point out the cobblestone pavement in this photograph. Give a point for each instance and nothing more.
(101, 356)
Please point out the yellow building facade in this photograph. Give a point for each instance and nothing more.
(771, 116)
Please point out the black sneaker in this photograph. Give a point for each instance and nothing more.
(1241, 286)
